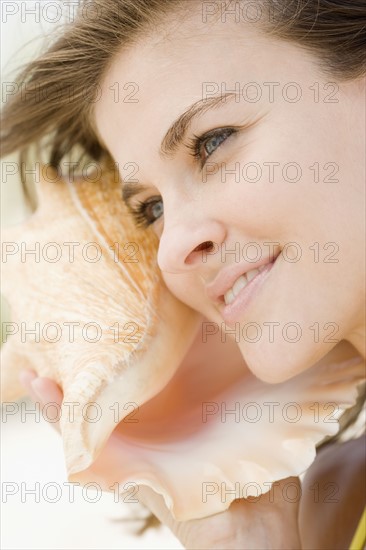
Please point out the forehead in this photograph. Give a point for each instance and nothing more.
(150, 84)
(175, 63)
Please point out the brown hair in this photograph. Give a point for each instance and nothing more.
(56, 92)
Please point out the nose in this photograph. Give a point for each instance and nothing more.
(185, 246)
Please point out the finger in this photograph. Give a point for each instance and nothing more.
(47, 390)
(26, 378)
(42, 390)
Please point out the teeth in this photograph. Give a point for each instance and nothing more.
(229, 297)
(240, 283)
(251, 274)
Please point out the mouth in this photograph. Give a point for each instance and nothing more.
(242, 282)
(235, 289)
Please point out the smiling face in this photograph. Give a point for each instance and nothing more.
(245, 157)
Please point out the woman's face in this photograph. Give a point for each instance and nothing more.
(238, 140)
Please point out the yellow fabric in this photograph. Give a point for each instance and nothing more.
(359, 538)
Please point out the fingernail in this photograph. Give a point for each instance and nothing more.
(26, 376)
(36, 386)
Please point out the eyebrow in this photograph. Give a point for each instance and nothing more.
(176, 134)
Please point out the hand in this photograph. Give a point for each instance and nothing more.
(267, 522)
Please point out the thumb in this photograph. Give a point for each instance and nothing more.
(47, 390)
(42, 390)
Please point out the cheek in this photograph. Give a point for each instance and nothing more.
(184, 288)
(284, 181)
(191, 293)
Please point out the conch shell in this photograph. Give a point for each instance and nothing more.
(93, 295)
(113, 336)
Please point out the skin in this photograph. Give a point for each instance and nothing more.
(170, 66)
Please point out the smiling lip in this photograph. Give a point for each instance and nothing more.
(226, 279)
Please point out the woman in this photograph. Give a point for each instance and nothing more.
(243, 123)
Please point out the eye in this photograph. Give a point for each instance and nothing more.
(147, 212)
(213, 142)
(204, 146)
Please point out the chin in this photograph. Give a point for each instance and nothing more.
(275, 363)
